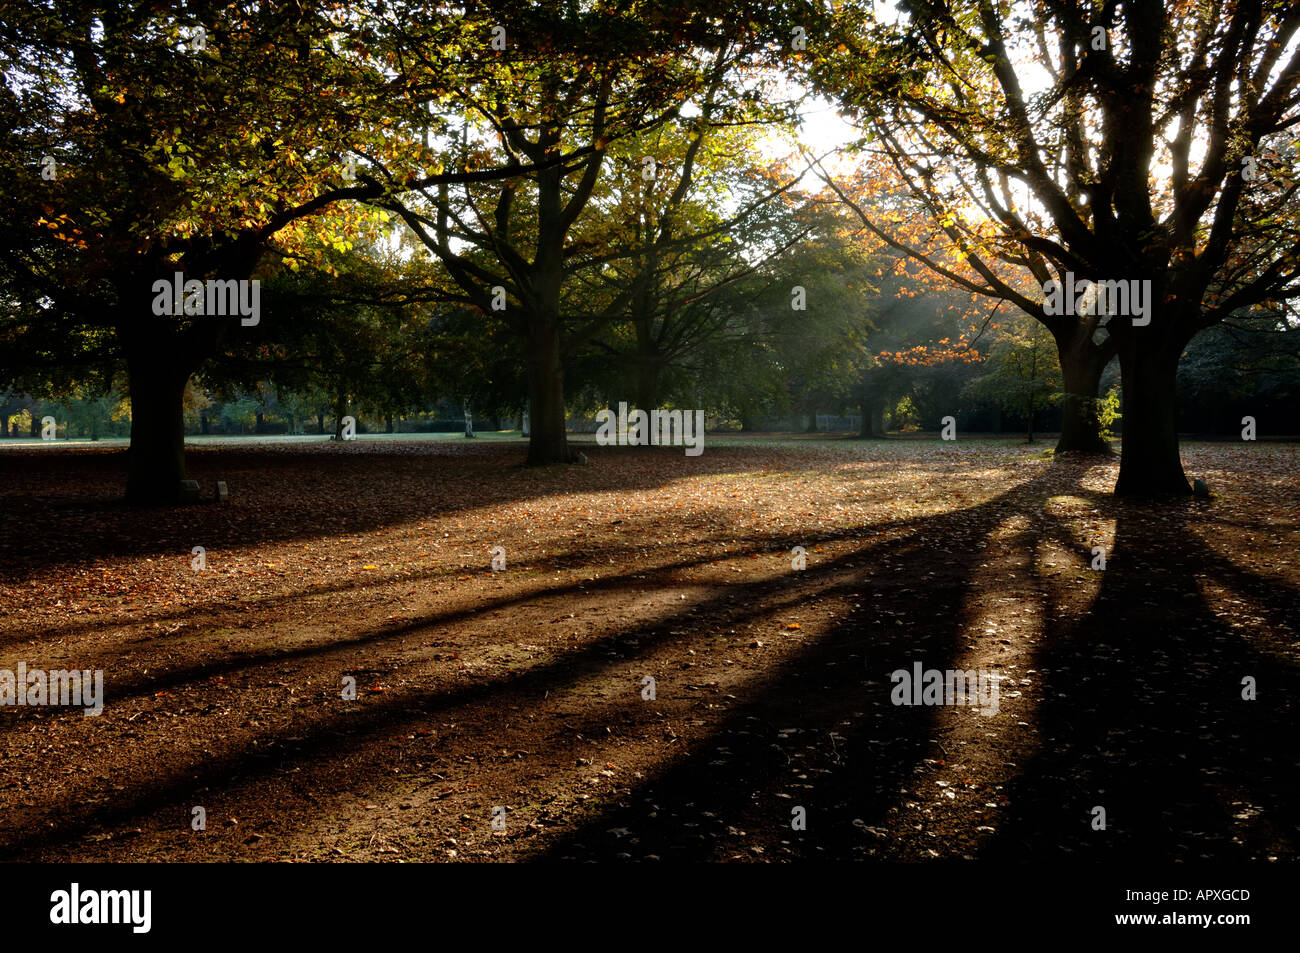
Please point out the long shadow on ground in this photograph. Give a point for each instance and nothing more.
(1143, 713)
(837, 684)
(820, 733)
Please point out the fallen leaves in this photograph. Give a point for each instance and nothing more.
(286, 605)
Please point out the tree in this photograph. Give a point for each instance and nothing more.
(1020, 373)
(141, 142)
(1248, 365)
(571, 82)
(1131, 143)
(906, 345)
(680, 238)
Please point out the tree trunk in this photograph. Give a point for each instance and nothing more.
(1081, 367)
(873, 414)
(1029, 418)
(547, 441)
(156, 459)
(388, 423)
(647, 383)
(1150, 464)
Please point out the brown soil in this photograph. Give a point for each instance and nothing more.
(523, 688)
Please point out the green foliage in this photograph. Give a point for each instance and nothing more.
(1021, 372)
(1108, 412)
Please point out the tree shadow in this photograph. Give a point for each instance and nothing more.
(820, 731)
(1142, 714)
(1140, 709)
(835, 678)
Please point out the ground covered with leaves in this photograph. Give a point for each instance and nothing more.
(525, 689)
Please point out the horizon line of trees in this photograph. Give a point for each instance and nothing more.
(552, 204)
(1015, 386)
